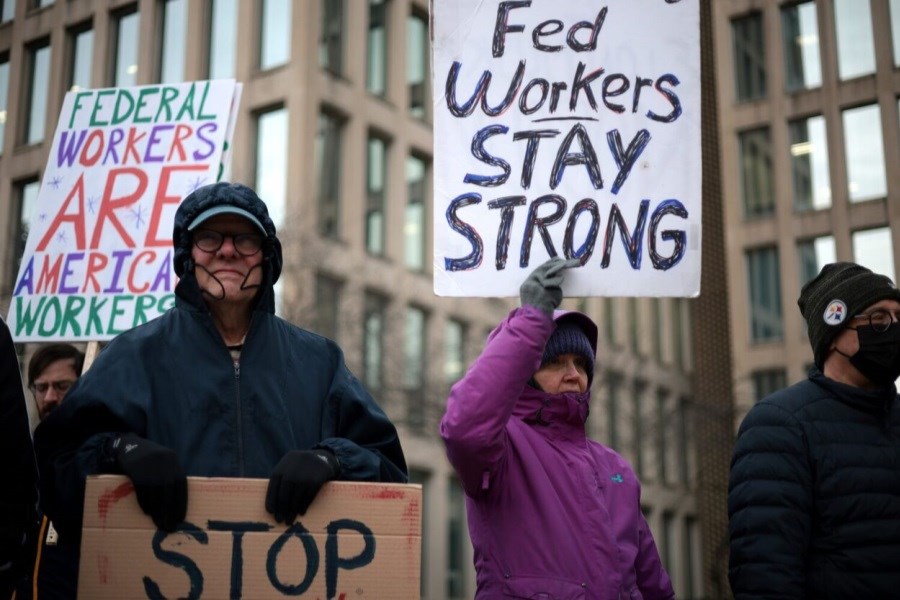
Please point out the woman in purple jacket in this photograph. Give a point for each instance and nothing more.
(551, 513)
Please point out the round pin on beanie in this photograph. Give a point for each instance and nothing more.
(839, 292)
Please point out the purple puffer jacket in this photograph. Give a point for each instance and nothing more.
(552, 514)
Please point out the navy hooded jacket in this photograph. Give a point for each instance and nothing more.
(173, 381)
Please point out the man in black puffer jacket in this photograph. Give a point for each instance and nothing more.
(814, 493)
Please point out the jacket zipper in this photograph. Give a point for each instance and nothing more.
(240, 433)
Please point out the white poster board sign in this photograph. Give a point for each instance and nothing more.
(98, 258)
(567, 128)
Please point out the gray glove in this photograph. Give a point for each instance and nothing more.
(542, 287)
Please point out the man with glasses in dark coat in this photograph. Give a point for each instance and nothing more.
(814, 493)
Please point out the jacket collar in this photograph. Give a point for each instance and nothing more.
(536, 406)
(876, 402)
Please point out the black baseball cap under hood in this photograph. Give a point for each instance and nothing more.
(223, 194)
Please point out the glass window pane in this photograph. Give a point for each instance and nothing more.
(37, 94)
(27, 193)
(376, 172)
(454, 351)
(275, 34)
(414, 349)
(328, 167)
(756, 173)
(800, 32)
(764, 286)
(328, 301)
(856, 48)
(82, 53)
(414, 226)
(749, 57)
(331, 40)
(864, 152)
(4, 97)
(173, 41)
(271, 162)
(126, 65)
(9, 10)
(376, 57)
(872, 249)
(222, 39)
(417, 63)
(809, 164)
(895, 30)
(373, 331)
(815, 254)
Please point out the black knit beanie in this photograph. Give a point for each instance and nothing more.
(840, 291)
(570, 339)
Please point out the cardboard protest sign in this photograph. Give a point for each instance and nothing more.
(567, 128)
(357, 540)
(98, 259)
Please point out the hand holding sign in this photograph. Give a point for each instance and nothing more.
(542, 287)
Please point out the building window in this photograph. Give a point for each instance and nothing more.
(376, 175)
(328, 306)
(855, 45)
(872, 249)
(809, 163)
(756, 173)
(662, 449)
(126, 30)
(4, 97)
(39, 3)
(815, 254)
(749, 57)
(415, 348)
(27, 194)
(864, 153)
(275, 35)
(895, 30)
(331, 40)
(613, 404)
(222, 38)
(456, 541)
(454, 351)
(768, 381)
(417, 61)
(764, 285)
(172, 41)
(800, 35)
(373, 334)
(271, 162)
(414, 225)
(328, 167)
(81, 50)
(376, 65)
(9, 10)
(38, 57)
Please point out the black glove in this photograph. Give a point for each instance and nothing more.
(542, 287)
(296, 480)
(159, 479)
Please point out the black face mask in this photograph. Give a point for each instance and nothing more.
(878, 357)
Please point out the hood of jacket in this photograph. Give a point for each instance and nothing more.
(211, 196)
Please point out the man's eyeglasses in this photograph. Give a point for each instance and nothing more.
(246, 244)
(61, 387)
(880, 319)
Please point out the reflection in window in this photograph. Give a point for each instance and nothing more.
(800, 32)
(331, 40)
(764, 286)
(38, 82)
(809, 163)
(276, 33)
(454, 351)
(855, 46)
(756, 173)
(414, 226)
(456, 541)
(126, 30)
(222, 39)
(768, 381)
(271, 163)
(872, 249)
(749, 57)
(895, 30)
(864, 152)
(9, 10)
(815, 254)
(376, 57)
(328, 302)
(4, 97)
(373, 344)
(82, 49)
(171, 64)
(328, 168)
(376, 173)
(27, 194)
(417, 63)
